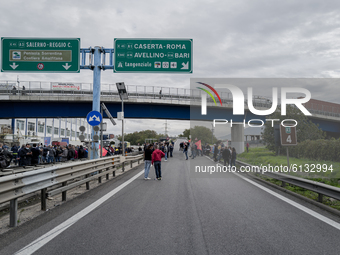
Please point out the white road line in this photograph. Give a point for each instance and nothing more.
(291, 202)
(41, 241)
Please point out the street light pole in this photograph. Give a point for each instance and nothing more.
(123, 95)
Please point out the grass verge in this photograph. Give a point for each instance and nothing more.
(331, 176)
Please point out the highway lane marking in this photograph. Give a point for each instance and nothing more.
(291, 202)
(41, 241)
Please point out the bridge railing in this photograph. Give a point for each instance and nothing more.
(138, 91)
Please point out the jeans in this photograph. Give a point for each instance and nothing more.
(166, 156)
(158, 169)
(186, 154)
(50, 159)
(147, 164)
(233, 162)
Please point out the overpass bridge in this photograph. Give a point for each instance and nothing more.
(47, 100)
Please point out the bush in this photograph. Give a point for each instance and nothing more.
(317, 149)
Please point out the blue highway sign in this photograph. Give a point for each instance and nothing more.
(94, 118)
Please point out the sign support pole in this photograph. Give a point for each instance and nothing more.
(123, 147)
(96, 94)
(101, 134)
(288, 158)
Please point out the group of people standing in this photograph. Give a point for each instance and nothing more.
(153, 154)
(227, 153)
(218, 150)
(39, 154)
(185, 146)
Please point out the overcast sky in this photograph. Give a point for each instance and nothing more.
(277, 39)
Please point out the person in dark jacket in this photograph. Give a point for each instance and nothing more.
(233, 157)
(147, 161)
(81, 152)
(35, 155)
(71, 153)
(15, 150)
(23, 155)
(185, 150)
(215, 152)
(226, 156)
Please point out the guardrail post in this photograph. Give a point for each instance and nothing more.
(13, 213)
(131, 163)
(320, 198)
(43, 199)
(123, 166)
(100, 178)
(88, 183)
(63, 194)
(283, 184)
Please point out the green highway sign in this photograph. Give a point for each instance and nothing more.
(153, 55)
(40, 55)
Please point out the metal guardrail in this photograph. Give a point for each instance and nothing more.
(320, 188)
(58, 179)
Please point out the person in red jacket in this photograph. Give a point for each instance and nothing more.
(157, 156)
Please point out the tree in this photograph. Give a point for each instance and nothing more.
(201, 133)
(139, 137)
(305, 129)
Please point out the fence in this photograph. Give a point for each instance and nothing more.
(58, 179)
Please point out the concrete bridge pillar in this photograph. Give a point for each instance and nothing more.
(237, 137)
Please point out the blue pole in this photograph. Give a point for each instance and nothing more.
(96, 94)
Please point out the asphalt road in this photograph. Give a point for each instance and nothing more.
(179, 215)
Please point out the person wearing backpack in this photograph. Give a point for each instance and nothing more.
(71, 153)
(81, 152)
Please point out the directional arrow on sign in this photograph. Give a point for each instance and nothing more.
(66, 66)
(94, 117)
(185, 65)
(14, 66)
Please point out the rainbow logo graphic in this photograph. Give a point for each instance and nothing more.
(209, 93)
